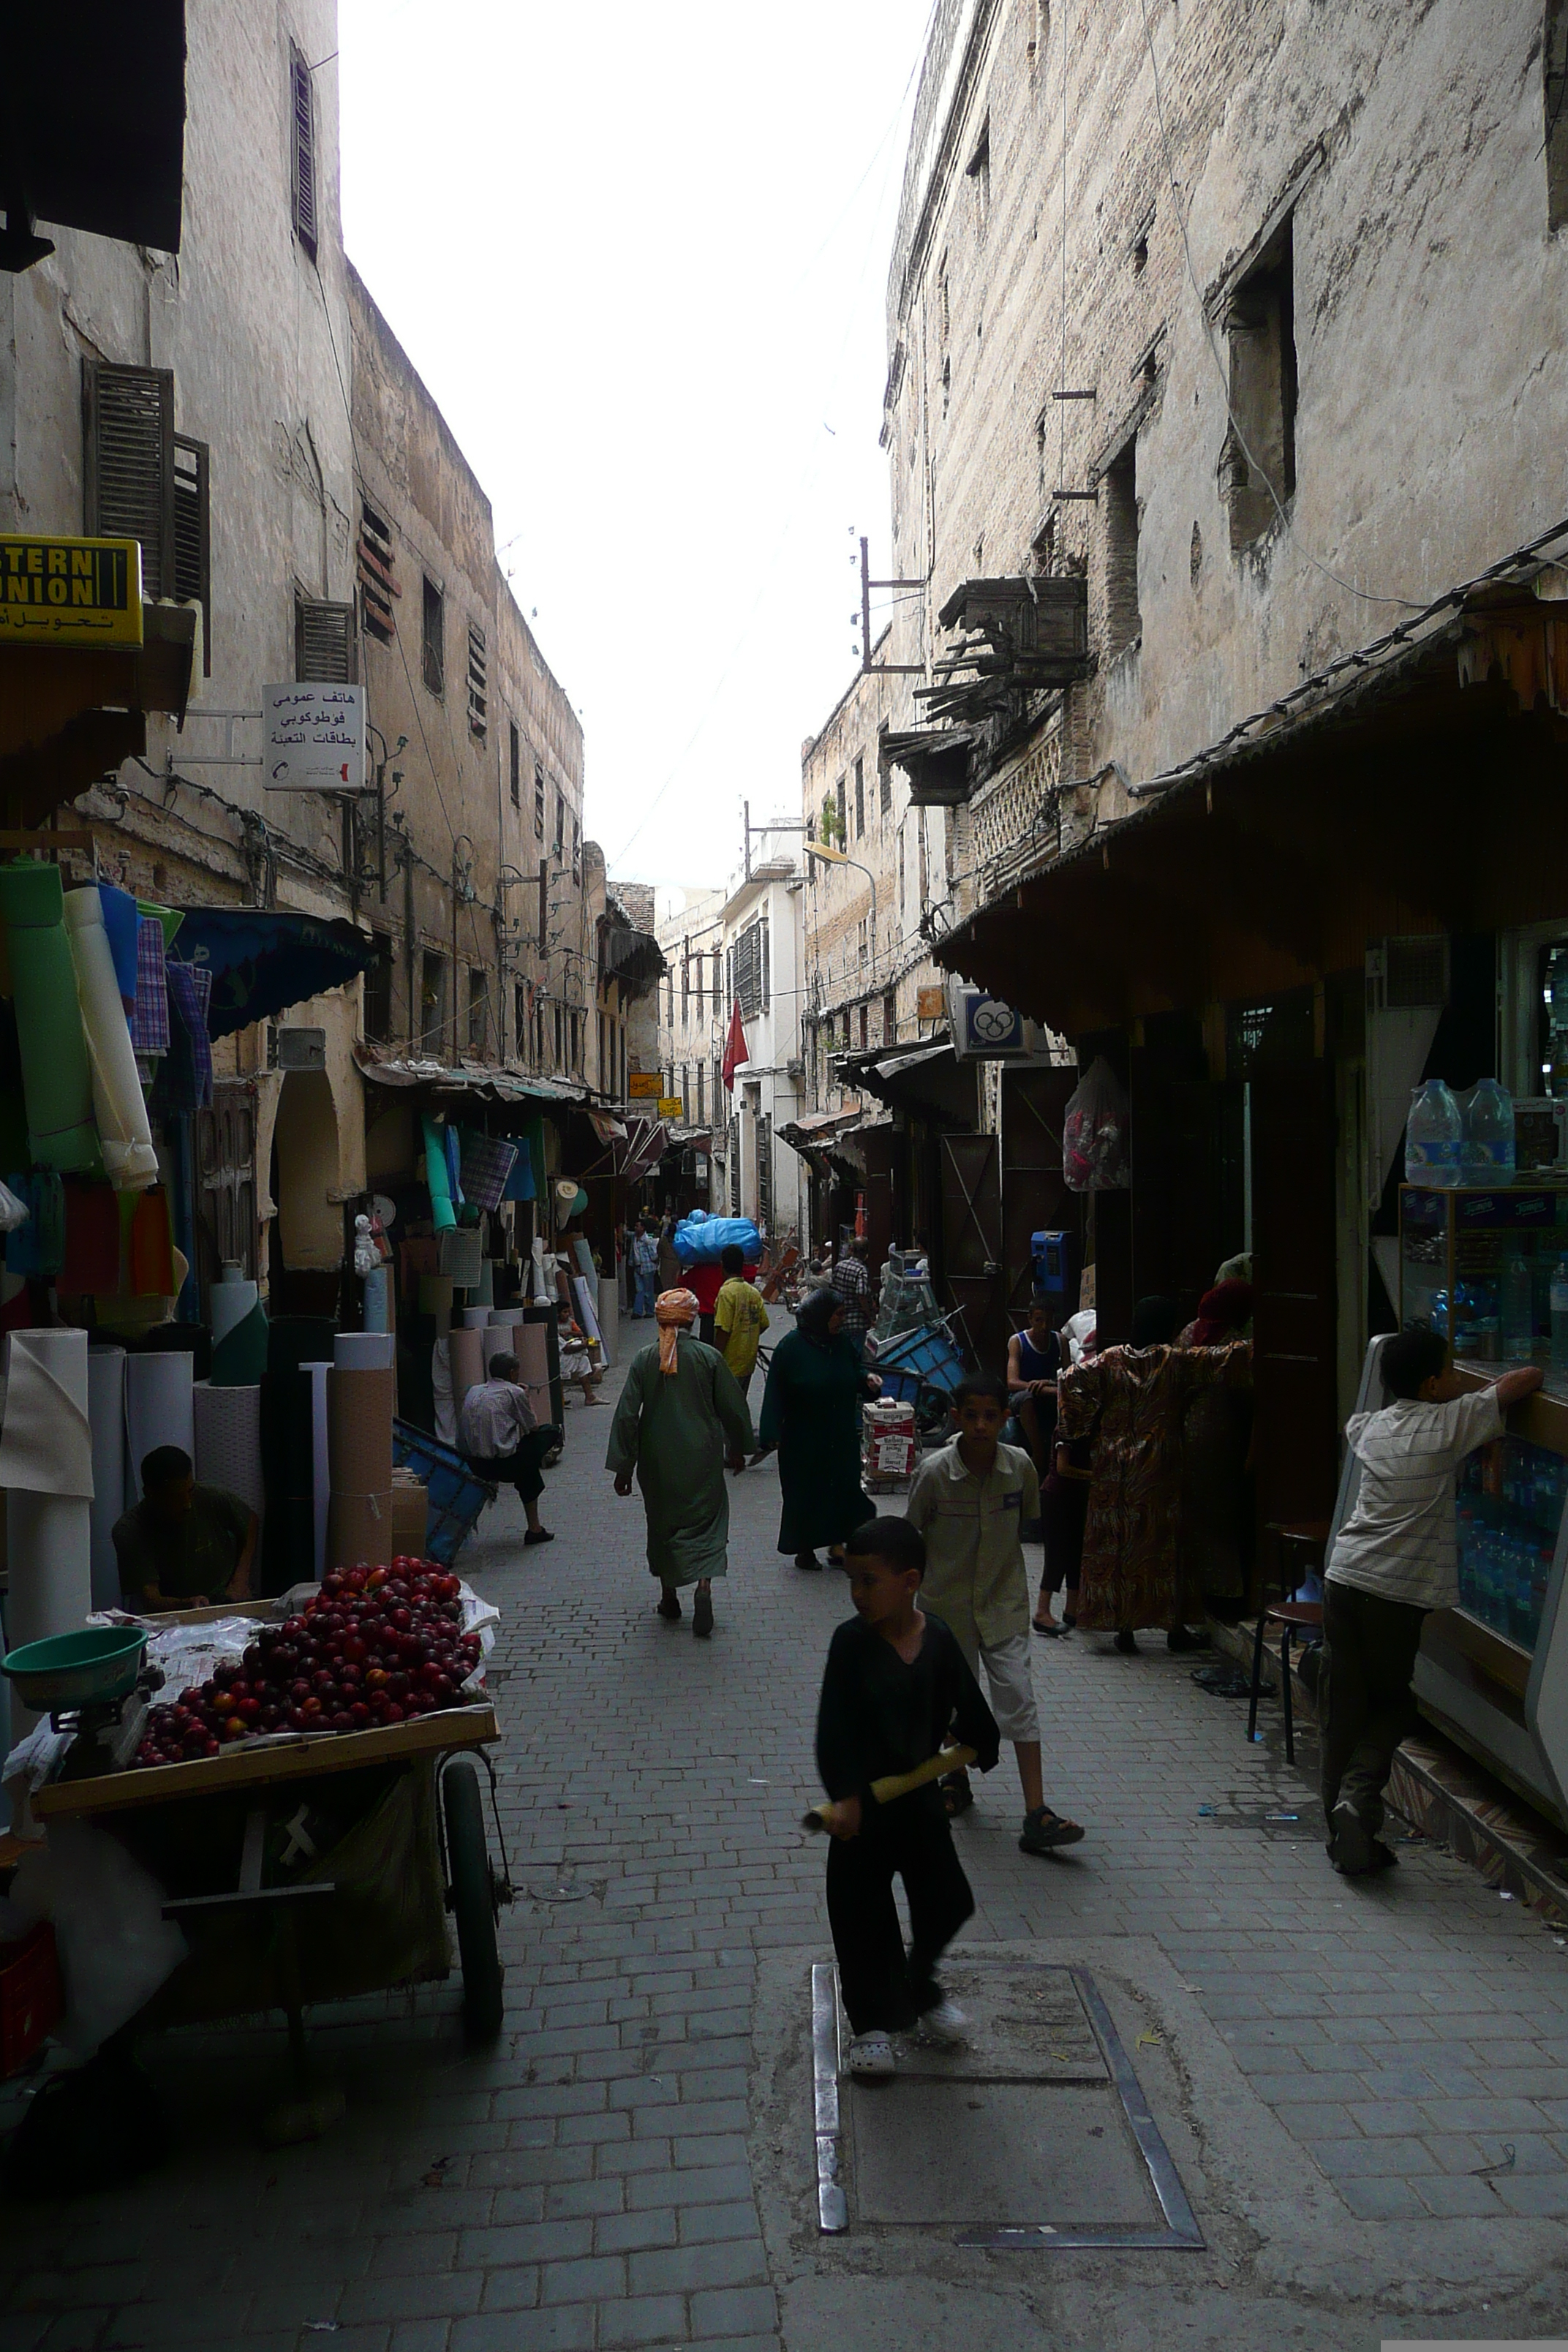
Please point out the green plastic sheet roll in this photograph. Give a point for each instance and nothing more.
(56, 1079)
(436, 1176)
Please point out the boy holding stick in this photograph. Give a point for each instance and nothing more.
(895, 1691)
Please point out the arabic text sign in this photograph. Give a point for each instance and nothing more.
(644, 1085)
(672, 1107)
(314, 739)
(70, 592)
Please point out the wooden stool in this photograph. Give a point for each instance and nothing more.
(1301, 1546)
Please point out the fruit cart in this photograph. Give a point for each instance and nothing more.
(307, 1867)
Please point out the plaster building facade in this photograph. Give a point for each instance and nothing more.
(1243, 556)
(754, 1171)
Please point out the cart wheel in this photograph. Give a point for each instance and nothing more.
(471, 1897)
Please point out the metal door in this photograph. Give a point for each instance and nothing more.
(973, 1269)
(227, 1231)
(1294, 1333)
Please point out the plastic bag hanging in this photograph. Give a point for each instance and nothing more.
(1095, 1145)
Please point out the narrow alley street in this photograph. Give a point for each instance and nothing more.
(1365, 2087)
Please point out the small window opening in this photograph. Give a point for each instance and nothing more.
(1119, 482)
(1554, 95)
(514, 750)
(433, 642)
(1261, 448)
(302, 129)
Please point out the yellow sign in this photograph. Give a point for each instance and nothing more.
(70, 592)
(930, 1004)
(672, 1106)
(645, 1086)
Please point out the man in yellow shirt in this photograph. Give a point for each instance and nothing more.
(740, 1317)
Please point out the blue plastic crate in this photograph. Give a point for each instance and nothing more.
(928, 1353)
(455, 1497)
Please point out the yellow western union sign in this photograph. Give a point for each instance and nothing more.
(70, 592)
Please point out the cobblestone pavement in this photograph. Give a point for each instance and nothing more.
(592, 2179)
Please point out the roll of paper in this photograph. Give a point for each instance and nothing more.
(56, 1079)
(532, 1354)
(485, 1289)
(436, 1297)
(158, 1410)
(49, 1543)
(375, 1351)
(240, 1357)
(377, 1302)
(230, 1301)
(497, 1339)
(359, 1426)
(359, 1529)
(320, 1457)
(467, 1365)
(476, 1318)
(119, 1104)
(512, 1314)
(443, 1411)
(609, 1316)
(106, 1415)
(45, 1442)
(228, 1441)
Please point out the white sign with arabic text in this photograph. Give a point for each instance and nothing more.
(313, 739)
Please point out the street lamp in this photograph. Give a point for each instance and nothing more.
(836, 857)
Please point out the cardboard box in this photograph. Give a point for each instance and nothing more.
(410, 1517)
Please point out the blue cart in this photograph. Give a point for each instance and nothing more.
(455, 1497)
(922, 1368)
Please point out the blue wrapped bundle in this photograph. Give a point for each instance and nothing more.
(702, 1240)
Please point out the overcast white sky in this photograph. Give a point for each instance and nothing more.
(639, 257)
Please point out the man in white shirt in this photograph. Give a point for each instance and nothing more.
(503, 1442)
(1395, 1558)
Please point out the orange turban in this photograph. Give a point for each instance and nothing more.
(674, 1311)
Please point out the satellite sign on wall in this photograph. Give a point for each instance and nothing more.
(986, 1029)
(313, 738)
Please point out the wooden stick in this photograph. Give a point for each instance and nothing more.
(894, 1785)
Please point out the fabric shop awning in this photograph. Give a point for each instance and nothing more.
(487, 1081)
(927, 1078)
(1416, 786)
(262, 960)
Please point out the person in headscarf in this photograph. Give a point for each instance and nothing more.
(680, 1421)
(811, 1411)
(1217, 1446)
(1132, 1400)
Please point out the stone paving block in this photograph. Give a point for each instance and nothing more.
(591, 2281)
(1385, 2199)
(644, 2319)
(516, 2288)
(448, 2295)
(624, 2233)
(572, 2330)
(1483, 2115)
(420, 2336)
(1542, 2194)
(1349, 2159)
(715, 2184)
(733, 2311)
(700, 2224)
(1457, 2197)
(536, 2242)
(566, 2197)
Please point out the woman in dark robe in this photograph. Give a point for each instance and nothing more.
(811, 1411)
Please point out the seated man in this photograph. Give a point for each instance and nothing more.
(502, 1442)
(576, 1356)
(183, 1546)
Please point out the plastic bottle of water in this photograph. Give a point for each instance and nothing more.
(1434, 1137)
(1560, 1319)
(1487, 1150)
(1518, 1315)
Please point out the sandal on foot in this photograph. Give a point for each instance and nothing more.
(1044, 1831)
(669, 1605)
(703, 1615)
(808, 1559)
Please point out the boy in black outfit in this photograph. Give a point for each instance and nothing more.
(895, 1689)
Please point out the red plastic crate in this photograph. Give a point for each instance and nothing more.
(30, 1999)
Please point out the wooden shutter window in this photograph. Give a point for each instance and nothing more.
(478, 682)
(302, 121)
(323, 642)
(192, 565)
(128, 415)
(377, 575)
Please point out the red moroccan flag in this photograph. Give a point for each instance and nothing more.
(736, 1050)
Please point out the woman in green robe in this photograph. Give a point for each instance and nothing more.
(811, 1411)
(680, 1418)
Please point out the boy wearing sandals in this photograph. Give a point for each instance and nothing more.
(970, 1502)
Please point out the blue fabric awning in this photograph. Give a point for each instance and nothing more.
(262, 960)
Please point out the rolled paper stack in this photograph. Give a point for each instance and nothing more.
(533, 1353)
(485, 1291)
(378, 1301)
(609, 1317)
(106, 1416)
(229, 1439)
(476, 1318)
(240, 1336)
(56, 1079)
(437, 1177)
(159, 1410)
(543, 1320)
(320, 1467)
(467, 1362)
(359, 1438)
(124, 1136)
(46, 1467)
(364, 1350)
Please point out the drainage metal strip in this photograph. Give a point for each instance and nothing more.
(1181, 2234)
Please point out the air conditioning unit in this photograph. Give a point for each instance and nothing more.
(1409, 974)
(796, 1068)
(301, 1049)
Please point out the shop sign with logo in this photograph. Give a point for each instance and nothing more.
(931, 1004)
(645, 1086)
(313, 738)
(70, 592)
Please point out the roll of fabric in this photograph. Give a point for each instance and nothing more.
(358, 1351)
(45, 1465)
(485, 1288)
(106, 1418)
(442, 1215)
(609, 1317)
(359, 1530)
(360, 1405)
(158, 1411)
(436, 1297)
(228, 1441)
(475, 1319)
(533, 1353)
(240, 1360)
(321, 1464)
(468, 1363)
(229, 1302)
(57, 1078)
(443, 1409)
(120, 1109)
(378, 1302)
(497, 1339)
(512, 1314)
